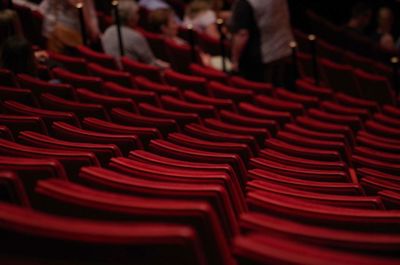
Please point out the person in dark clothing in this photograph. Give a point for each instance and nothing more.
(360, 19)
(260, 41)
(17, 55)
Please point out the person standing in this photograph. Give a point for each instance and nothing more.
(383, 35)
(260, 41)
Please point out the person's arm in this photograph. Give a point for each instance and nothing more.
(44, 7)
(139, 48)
(240, 24)
(239, 41)
(212, 30)
(91, 20)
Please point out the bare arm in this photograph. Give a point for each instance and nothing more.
(239, 41)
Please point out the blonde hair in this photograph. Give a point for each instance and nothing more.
(197, 6)
(128, 10)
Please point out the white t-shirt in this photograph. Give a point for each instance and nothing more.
(273, 21)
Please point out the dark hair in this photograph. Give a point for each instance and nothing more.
(158, 18)
(10, 24)
(17, 55)
(361, 9)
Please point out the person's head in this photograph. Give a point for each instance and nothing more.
(362, 13)
(197, 6)
(163, 21)
(17, 55)
(9, 24)
(128, 13)
(385, 19)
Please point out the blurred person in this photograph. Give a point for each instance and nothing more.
(10, 24)
(383, 33)
(360, 18)
(261, 34)
(62, 25)
(135, 45)
(153, 4)
(17, 55)
(200, 15)
(162, 21)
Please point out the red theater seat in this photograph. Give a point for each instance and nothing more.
(182, 118)
(12, 190)
(219, 90)
(48, 116)
(76, 65)
(125, 142)
(137, 95)
(307, 185)
(211, 187)
(328, 127)
(161, 89)
(186, 82)
(206, 133)
(270, 103)
(31, 234)
(218, 103)
(281, 117)
(220, 147)
(347, 201)
(22, 95)
(81, 110)
(303, 152)
(260, 134)
(132, 119)
(391, 199)
(256, 87)
(111, 75)
(97, 57)
(108, 102)
(373, 185)
(208, 73)
(357, 219)
(336, 238)
(261, 249)
(333, 107)
(299, 172)
(243, 120)
(306, 100)
(387, 120)
(78, 80)
(352, 121)
(350, 101)
(39, 86)
(340, 77)
(374, 87)
(146, 134)
(292, 160)
(72, 160)
(17, 124)
(203, 110)
(103, 152)
(313, 90)
(313, 134)
(7, 78)
(178, 152)
(137, 68)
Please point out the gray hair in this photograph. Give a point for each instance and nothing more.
(128, 10)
